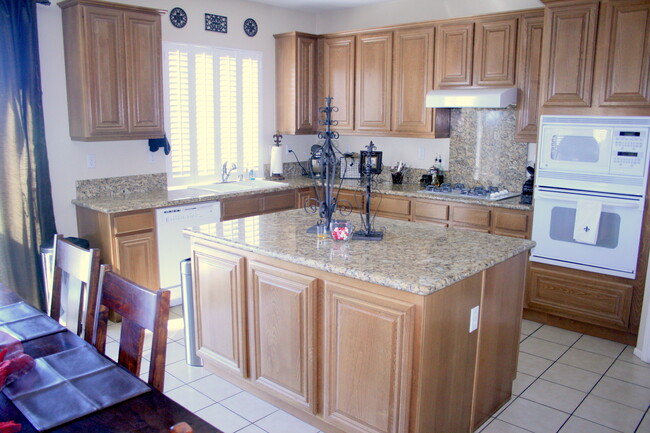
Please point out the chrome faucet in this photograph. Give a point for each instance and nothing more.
(225, 172)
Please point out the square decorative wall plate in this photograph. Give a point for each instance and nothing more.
(216, 23)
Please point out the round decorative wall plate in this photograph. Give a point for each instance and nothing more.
(250, 27)
(178, 17)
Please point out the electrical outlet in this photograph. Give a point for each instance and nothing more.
(152, 158)
(91, 161)
(421, 152)
(473, 319)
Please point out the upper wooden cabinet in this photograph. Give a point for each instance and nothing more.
(337, 59)
(113, 59)
(476, 53)
(596, 57)
(374, 79)
(295, 77)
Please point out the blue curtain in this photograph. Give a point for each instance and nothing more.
(26, 213)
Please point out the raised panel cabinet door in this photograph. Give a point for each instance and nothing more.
(568, 54)
(218, 279)
(338, 79)
(306, 115)
(282, 333)
(626, 54)
(494, 52)
(368, 341)
(529, 60)
(454, 55)
(137, 258)
(144, 73)
(373, 86)
(105, 70)
(412, 79)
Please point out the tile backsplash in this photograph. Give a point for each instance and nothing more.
(483, 150)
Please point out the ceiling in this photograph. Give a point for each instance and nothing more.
(319, 5)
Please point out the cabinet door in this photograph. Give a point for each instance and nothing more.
(338, 79)
(239, 207)
(494, 58)
(218, 283)
(368, 341)
(282, 333)
(144, 74)
(511, 222)
(373, 89)
(274, 202)
(137, 258)
(105, 69)
(454, 54)
(431, 211)
(625, 54)
(391, 207)
(412, 79)
(302, 196)
(528, 76)
(306, 117)
(568, 54)
(351, 198)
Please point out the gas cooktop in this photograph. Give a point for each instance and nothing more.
(491, 193)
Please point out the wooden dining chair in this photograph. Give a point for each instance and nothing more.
(140, 309)
(73, 287)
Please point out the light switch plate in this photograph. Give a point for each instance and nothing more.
(91, 161)
(421, 152)
(473, 319)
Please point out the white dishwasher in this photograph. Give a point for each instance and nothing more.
(173, 246)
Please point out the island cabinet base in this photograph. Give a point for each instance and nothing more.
(349, 356)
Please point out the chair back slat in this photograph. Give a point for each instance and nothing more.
(138, 305)
(131, 345)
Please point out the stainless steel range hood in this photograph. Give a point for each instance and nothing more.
(472, 98)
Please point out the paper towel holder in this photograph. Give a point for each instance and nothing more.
(276, 158)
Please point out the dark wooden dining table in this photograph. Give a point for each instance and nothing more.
(152, 411)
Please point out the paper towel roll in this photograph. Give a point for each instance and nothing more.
(276, 160)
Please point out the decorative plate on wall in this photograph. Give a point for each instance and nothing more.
(178, 17)
(250, 27)
(216, 23)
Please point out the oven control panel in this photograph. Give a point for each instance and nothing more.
(629, 148)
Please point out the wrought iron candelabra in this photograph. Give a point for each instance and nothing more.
(370, 165)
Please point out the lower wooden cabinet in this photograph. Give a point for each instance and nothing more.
(240, 207)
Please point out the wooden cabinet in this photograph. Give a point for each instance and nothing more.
(475, 218)
(529, 59)
(431, 211)
(338, 54)
(127, 240)
(302, 195)
(368, 342)
(511, 222)
(494, 52)
(219, 291)
(113, 58)
(374, 53)
(351, 198)
(295, 77)
(454, 55)
(282, 333)
(391, 207)
(249, 205)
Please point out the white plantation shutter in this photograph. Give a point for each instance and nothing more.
(213, 111)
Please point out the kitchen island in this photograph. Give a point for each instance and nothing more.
(416, 333)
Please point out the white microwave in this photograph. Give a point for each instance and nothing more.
(594, 153)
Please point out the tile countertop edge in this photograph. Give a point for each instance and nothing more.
(411, 281)
(159, 198)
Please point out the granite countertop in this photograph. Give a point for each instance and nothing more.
(157, 198)
(413, 257)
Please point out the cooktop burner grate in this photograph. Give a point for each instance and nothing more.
(492, 193)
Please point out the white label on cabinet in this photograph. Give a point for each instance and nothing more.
(473, 319)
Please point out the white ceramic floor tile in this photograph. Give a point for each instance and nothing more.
(586, 360)
(484, 425)
(177, 310)
(570, 376)
(532, 365)
(645, 424)
(170, 381)
(626, 393)
(175, 328)
(175, 353)
(629, 356)
(542, 348)
(498, 426)
(251, 429)
(533, 416)
(557, 335)
(579, 425)
(248, 406)
(600, 346)
(522, 337)
(185, 372)
(281, 422)
(632, 373)
(610, 414)
(112, 350)
(222, 418)
(553, 395)
(189, 398)
(521, 382)
(215, 387)
(528, 326)
(113, 330)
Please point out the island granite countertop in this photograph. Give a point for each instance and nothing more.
(151, 199)
(413, 257)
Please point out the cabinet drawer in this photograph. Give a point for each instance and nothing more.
(511, 223)
(128, 223)
(471, 215)
(355, 198)
(392, 207)
(425, 210)
(279, 201)
(240, 207)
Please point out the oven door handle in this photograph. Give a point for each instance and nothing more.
(624, 204)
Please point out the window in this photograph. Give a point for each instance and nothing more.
(213, 113)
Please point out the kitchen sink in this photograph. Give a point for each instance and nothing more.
(259, 183)
(243, 185)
